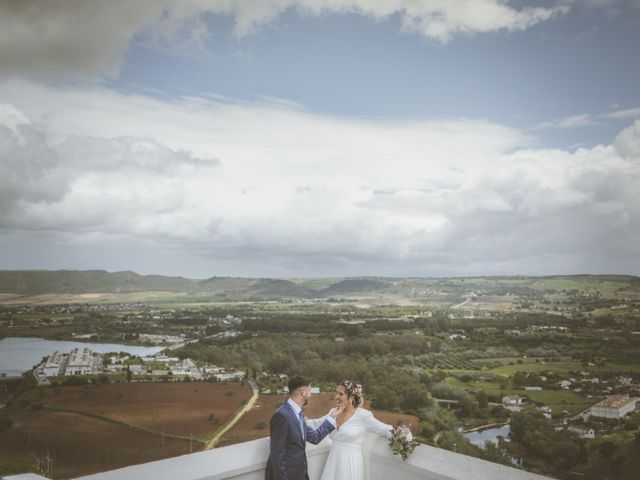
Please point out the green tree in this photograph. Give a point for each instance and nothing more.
(482, 399)
(534, 438)
(386, 399)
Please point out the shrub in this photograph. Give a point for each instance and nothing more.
(5, 423)
(75, 381)
(18, 466)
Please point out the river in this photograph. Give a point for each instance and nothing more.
(490, 435)
(20, 354)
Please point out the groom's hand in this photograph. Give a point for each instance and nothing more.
(335, 411)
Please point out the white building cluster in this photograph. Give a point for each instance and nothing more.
(54, 365)
(86, 362)
(615, 406)
(512, 402)
(76, 362)
(160, 365)
(83, 362)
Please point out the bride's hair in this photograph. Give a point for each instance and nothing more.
(354, 391)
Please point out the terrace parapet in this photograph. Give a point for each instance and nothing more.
(247, 461)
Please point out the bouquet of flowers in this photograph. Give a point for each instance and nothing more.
(402, 442)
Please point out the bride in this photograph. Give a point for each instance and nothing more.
(345, 461)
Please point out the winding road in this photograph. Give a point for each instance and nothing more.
(245, 408)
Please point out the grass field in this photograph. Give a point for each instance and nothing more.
(62, 298)
(557, 400)
(588, 284)
(557, 367)
(562, 368)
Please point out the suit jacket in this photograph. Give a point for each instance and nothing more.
(288, 460)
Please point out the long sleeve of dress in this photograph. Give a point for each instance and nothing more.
(376, 426)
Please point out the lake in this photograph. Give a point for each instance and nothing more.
(490, 435)
(19, 354)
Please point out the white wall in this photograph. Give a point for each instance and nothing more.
(244, 461)
(247, 461)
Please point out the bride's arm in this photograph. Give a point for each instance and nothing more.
(376, 426)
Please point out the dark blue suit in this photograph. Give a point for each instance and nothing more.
(287, 460)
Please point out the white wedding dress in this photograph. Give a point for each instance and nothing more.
(345, 461)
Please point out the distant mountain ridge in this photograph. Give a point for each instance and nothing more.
(39, 282)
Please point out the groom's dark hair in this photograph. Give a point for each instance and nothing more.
(296, 382)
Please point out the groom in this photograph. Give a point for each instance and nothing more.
(290, 433)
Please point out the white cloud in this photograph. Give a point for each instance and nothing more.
(28, 168)
(292, 188)
(573, 121)
(590, 119)
(627, 143)
(442, 20)
(435, 19)
(623, 114)
(11, 118)
(84, 183)
(79, 38)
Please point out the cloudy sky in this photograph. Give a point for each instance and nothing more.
(292, 138)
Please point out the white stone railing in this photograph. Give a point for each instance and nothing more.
(247, 461)
(243, 461)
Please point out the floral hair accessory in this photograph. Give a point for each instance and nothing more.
(353, 389)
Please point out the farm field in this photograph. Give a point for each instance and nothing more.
(557, 400)
(509, 360)
(177, 408)
(497, 305)
(563, 367)
(608, 287)
(60, 298)
(80, 445)
(249, 427)
(557, 367)
(255, 424)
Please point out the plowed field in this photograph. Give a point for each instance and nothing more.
(179, 408)
(79, 445)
